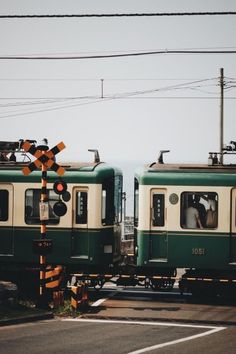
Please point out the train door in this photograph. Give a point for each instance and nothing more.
(80, 237)
(158, 242)
(6, 220)
(233, 227)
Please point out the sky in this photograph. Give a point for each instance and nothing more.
(128, 108)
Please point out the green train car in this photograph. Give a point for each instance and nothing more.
(185, 217)
(87, 238)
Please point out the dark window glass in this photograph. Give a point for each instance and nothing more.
(32, 200)
(158, 210)
(4, 202)
(118, 198)
(81, 207)
(136, 203)
(108, 207)
(199, 210)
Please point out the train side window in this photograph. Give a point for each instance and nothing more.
(108, 207)
(81, 207)
(118, 198)
(4, 202)
(32, 199)
(158, 217)
(199, 210)
(136, 202)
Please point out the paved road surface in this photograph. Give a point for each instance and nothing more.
(117, 337)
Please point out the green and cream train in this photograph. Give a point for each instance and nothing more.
(185, 217)
(86, 238)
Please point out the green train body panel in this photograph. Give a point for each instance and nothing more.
(90, 173)
(188, 177)
(89, 250)
(207, 252)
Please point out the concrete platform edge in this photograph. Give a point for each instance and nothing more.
(25, 319)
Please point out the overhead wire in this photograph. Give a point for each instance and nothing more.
(121, 55)
(143, 14)
(111, 97)
(192, 85)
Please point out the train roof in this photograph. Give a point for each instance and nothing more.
(187, 174)
(191, 167)
(81, 172)
(14, 156)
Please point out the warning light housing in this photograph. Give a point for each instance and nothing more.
(60, 208)
(60, 187)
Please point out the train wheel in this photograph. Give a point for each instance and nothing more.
(162, 284)
(98, 284)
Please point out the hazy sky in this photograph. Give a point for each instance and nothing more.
(61, 99)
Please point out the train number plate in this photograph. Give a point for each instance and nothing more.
(42, 247)
(198, 251)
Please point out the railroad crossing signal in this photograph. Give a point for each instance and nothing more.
(45, 158)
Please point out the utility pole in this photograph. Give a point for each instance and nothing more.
(102, 87)
(221, 115)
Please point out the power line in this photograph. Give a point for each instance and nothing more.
(121, 96)
(109, 79)
(81, 57)
(156, 14)
(108, 98)
(196, 84)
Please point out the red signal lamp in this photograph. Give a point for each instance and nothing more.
(60, 187)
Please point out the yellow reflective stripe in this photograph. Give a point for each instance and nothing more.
(74, 303)
(53, 284)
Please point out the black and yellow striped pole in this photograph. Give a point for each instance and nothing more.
(75, 297)
(43, 201)
(79, 296)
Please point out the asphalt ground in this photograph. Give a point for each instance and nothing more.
(139, 304)
(131, 303)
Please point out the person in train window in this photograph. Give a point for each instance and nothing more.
(201, 209)
(3, 156)
(192, 216)
(211, 201)
(211, 216)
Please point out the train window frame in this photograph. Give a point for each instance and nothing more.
(118, 192)
(136, 202)
(208, 218)
(107, 200)
(4, 205)
(81, 207)
(31, 213)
